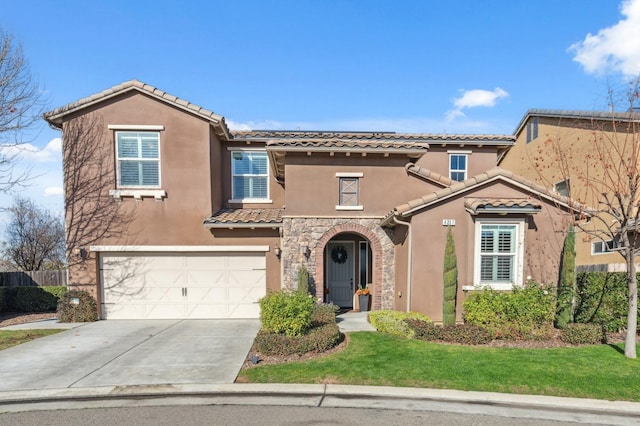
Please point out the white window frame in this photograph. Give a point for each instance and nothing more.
(532, 130)
(118, 159)
(518, 261)
(357, 176)
(604, 247)
(464, 154)
(267, 199)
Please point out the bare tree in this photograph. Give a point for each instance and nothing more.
(92, 216)
(35, 237)
(21, 107)
(604, 173)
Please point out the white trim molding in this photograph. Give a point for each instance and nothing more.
(138, 194)
(182, 249)
(348, 208)
(349, 174)
(251, 201)
(135, 127)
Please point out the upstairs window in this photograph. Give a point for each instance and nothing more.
(349, 191)
(458, 167)
(138, 159)
(562, 187)
(250, 178)
(532, 130)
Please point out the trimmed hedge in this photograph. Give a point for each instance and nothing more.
(287, 312)
(318, 339)
(30, 298)
(583, 334)
(464, 334)
(524, 313)
(324, 313)
(393, 322)
(85, 310)
(602, 299)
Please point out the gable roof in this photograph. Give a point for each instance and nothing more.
(56, 117)
(577, 115)
(492, 175)
(429, 175)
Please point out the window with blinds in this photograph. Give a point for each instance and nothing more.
(497, 253)
(138, 159)
(250, 175)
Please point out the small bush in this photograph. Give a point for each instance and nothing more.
(303, 280)
(582, 334)
(324, 313)
(424, 330)
(86, 310)
(524, 313)
(4, 299)
(465, 334)
(287, 312)
(393, 322)
(602, 298)
(36, 299)
(319, 339)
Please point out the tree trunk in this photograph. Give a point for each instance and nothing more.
(632, 317)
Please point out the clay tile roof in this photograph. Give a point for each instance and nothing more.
(334, 136)
(477, 205)
(347, 144)
(408, 208)
(253, 218)
(56, 116)
(428, 174)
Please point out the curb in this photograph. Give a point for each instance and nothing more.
(333, 396)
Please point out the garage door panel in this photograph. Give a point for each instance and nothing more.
(182, 285)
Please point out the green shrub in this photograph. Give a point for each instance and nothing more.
(393, 322)
(33, 299)
(601, 298)
(424, 330)
(583, 334)
(324, 313)
(465, 334)
(450, 279)
(566, 285)
(303, 280)
(524, 313)
(319, 339)
(85, 310)
(4, 299)
(287, 312)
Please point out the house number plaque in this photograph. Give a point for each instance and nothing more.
(448, 222)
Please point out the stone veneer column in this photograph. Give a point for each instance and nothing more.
(315, 233)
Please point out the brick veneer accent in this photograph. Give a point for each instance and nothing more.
(376, 251)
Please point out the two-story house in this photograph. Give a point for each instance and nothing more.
(207, 220)
(567, 152)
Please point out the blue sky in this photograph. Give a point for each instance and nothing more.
(455, 66)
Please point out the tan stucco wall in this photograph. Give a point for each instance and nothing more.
(544, 236)
(193, 174)
(312, 186)
(539, 162)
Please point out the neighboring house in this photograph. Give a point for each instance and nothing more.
(557, 149)
(210, 219)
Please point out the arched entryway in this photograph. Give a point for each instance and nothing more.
(348, 255)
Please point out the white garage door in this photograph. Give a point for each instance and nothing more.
(182, 285)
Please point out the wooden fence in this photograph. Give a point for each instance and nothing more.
(33, 278)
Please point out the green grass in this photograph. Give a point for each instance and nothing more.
(10, 338)
(380, 359)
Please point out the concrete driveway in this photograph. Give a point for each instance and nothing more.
(119, 352)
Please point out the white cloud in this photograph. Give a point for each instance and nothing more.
(53, 191)
(29, 152)
(473, 99)
(615, 48)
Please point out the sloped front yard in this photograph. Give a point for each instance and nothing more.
(379, 359)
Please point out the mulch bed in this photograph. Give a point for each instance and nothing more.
(15, 318)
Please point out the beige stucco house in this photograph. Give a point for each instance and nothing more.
(206, 220)
(567, 152)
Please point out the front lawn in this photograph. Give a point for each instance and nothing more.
(10, 338)
(380, 359)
